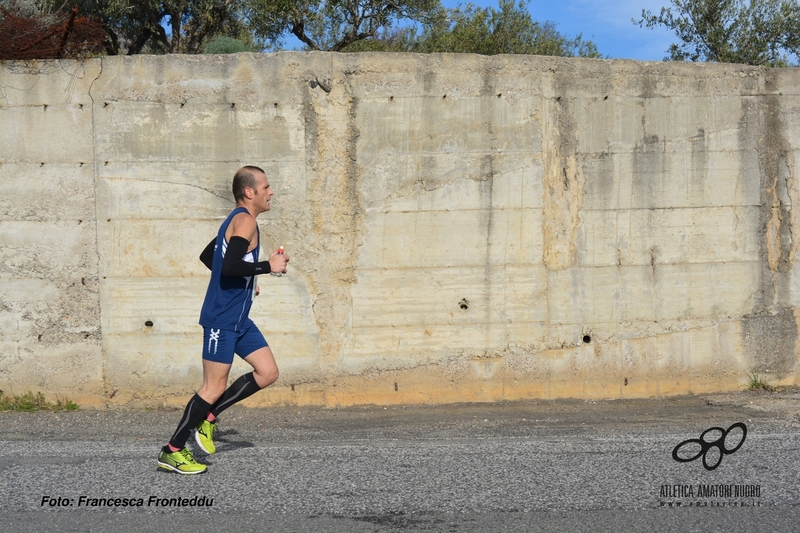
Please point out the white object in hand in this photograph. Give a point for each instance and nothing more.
(278, 274)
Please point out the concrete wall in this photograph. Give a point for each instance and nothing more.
(462, 228)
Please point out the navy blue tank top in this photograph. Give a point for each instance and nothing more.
(228, 299)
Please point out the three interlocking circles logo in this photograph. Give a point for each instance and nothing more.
(729, 441)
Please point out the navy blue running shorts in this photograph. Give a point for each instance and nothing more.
(220, 344)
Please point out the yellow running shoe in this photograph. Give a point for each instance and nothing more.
(181, 462)
(205, 436)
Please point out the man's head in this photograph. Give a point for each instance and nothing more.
(250, 185)
(245, 177)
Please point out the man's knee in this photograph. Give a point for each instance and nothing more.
(211, 392)
(267, 377)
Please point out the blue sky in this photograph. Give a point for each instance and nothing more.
(607, 23)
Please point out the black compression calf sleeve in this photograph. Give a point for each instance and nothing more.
(195, 412)
(240, 389)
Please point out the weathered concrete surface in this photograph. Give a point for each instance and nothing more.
(50, 336)
(462, 228)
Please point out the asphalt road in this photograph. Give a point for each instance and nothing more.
(526, 466)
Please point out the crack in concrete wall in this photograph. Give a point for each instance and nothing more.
(563, 184)
(770, 331)
(337, 210)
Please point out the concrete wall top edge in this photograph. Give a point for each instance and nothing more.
(278, 76)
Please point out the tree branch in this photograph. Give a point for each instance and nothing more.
(298, 30)
(139, 43)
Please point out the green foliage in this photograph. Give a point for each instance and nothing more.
(225, 45)
(754, 32)
(45, 12)
(388, 40)
(24, 8)
(488, 31)
(757, 382)
(334, 24)
(165, 26)
(30, 402)
(230, 26)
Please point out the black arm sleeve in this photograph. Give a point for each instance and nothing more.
(234, 264)
(207, 257)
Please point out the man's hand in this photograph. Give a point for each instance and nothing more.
(277, 261)
(258, 290)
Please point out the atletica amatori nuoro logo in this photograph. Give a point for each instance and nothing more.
(721, 444)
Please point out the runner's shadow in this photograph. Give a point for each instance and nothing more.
(227, 446)
(224, 443)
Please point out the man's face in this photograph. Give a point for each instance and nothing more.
(262, 192)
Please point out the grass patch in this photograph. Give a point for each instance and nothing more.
(34, 402)
(757, 382)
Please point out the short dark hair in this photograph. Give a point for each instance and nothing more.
(245, 177)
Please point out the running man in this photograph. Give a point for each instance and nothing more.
(227, 329)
